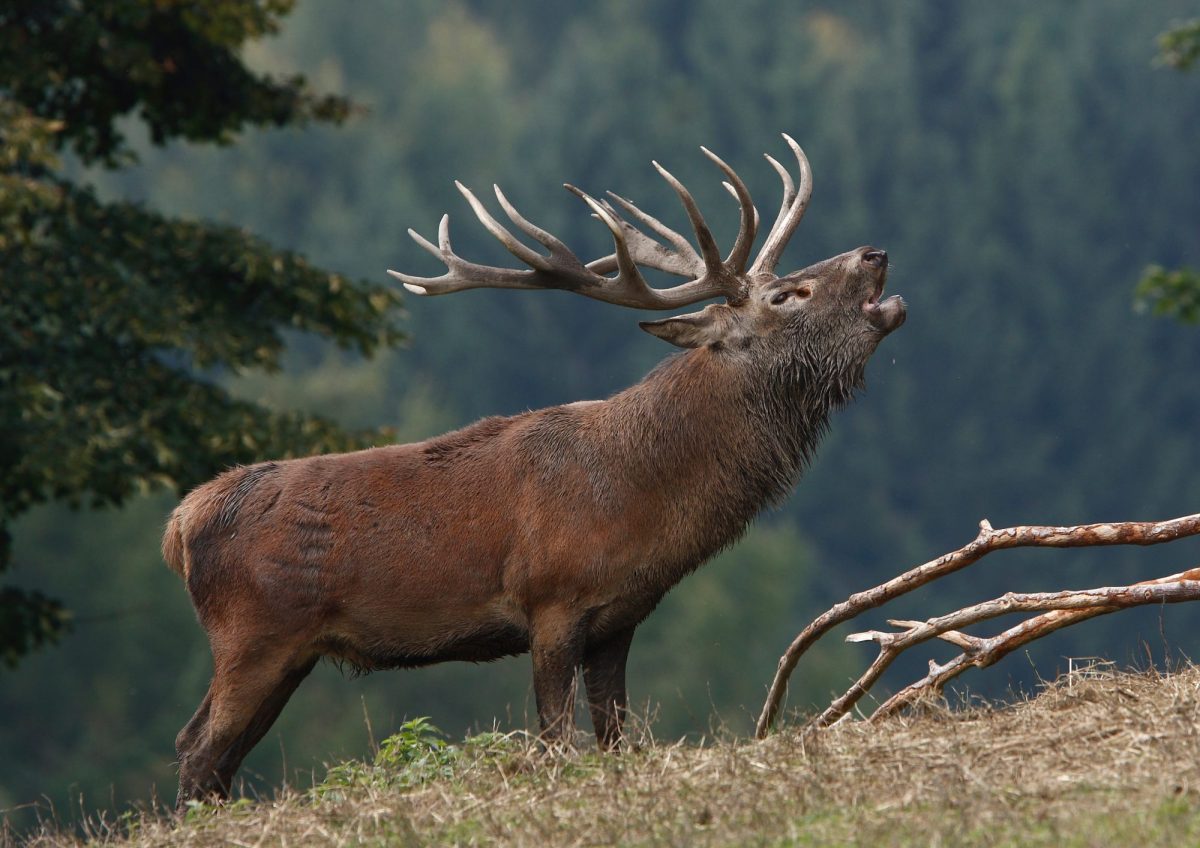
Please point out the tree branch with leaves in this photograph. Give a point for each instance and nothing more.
(117, 322)
(1174, 293)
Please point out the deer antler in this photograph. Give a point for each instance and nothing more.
(790, 211)
(562, 269)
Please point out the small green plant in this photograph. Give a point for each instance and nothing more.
(199, 812)
(492, 743)
(130, 823)
(417, 753)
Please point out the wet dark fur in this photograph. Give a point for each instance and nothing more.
(556, 531)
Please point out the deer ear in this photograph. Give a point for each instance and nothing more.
(696, 329)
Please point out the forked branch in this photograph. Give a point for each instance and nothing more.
(1063, 608)
(988, 540)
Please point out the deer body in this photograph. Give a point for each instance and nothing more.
(555, 531)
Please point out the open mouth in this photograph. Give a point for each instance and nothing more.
(873, 300)
(878, 281)
(884, 315)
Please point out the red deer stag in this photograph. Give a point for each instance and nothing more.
(555, 531)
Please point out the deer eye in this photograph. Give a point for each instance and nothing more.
(802, 292)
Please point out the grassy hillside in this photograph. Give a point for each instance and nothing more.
(1093, 759)
(1022, 162)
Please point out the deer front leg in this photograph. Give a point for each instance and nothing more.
(604, 675)
(557, 649)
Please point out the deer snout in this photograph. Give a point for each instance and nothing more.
(874, 258)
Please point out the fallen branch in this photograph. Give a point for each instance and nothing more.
(988, 540)
(977, 652)
(983, 652)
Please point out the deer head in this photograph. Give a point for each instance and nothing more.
(832, 304)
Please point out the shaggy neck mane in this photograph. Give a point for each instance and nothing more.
(723, 438)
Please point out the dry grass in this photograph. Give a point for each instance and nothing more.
(1094, 759)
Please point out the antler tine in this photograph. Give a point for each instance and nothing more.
(688, 257)
(748, 226)
(789, 190)
(704, 236)
(733, 192)
(647, 252)
(790, 213)
(426, 243)
(461, 274)
(628, 275)
(555, 246)
(416, 284)
(711, 280)
(629, 287)
(527, 255)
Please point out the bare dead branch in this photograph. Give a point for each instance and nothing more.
(983, 652)
(963, 640)
(988, 540)
(1174, 589)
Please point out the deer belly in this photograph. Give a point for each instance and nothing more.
(401, 636)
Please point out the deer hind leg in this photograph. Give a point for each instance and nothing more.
(247, 689)
(557, 649)
(191, 731)
(267, 712)
(604, 675)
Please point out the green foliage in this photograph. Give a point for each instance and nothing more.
(415, 754)
(1175, 293)
(1179, 46)
(175, 65)
(199, 814)
(111, 309)
(28, 620)
(116, 321)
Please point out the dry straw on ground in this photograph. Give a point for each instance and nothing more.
(1095, 759)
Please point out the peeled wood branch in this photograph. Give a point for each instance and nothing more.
(988, 540)
(981, 652)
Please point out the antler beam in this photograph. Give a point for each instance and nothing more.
(560, 268)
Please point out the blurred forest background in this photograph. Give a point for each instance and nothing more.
(1022, 162)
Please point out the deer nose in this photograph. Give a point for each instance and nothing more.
(875, 259)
